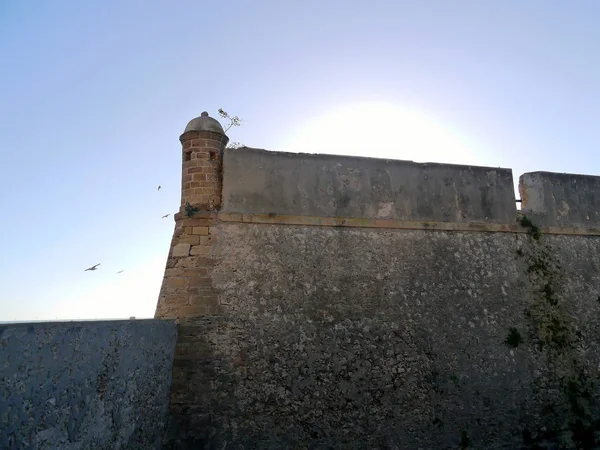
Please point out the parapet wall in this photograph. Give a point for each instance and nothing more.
(262, 182)
(561, 199)
(85, 385)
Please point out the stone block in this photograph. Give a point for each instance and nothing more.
(181, 250)
(191, 239)
(203, 231)
(206, 240)
(199, 250)
(192, 310)
(175, 282)
(200, 281)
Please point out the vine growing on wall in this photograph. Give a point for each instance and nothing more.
(556, 336)
(533, 230)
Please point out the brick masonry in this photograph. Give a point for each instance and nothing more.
(187, 289)
(201, 169)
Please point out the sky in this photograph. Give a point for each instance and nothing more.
(94, 96)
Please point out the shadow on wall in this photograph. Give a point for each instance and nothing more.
(85, 384)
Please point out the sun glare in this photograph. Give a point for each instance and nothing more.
(381, 130)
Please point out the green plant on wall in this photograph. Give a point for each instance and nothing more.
(190, 210)
(555, 335)
(234, 121)
(534, 231)
(514, 338)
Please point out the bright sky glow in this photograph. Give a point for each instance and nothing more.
(381, 129)
(94, 96)
(124, 295)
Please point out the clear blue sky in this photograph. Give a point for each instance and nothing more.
(94, 95)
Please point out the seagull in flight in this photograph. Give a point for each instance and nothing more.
(165, 216)
(159, 187)
(92, 268)
(120, 271)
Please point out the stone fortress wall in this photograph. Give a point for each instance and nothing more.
(316, 301)
(341, 302)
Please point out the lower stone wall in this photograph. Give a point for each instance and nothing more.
(356, 338)
(85, 385)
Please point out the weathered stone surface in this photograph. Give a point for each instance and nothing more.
(262, 182)
(85, 385)
(200, 231)
(181, 250)
(349, 338)
(561, 199)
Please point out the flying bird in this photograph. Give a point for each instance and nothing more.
(120, 271)
(92, 268)
(158, 187)
(165, 216)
